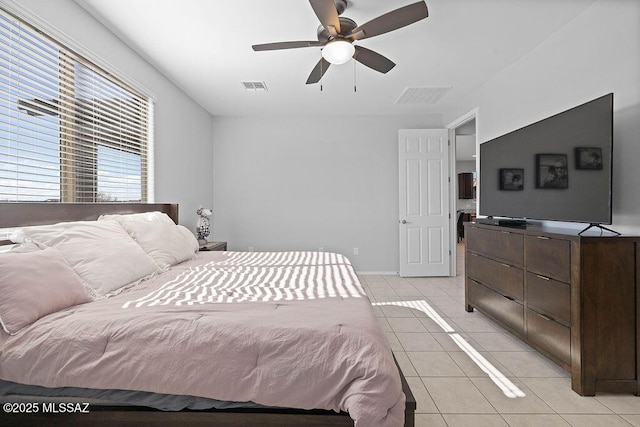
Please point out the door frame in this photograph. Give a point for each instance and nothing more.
(453, 187)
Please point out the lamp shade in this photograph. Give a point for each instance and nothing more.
(338, 52)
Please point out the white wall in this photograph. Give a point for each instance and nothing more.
(183, 132)
(596, 53)
(301, 183)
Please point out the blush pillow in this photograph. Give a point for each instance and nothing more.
(159, 236)
(35, 284)
(101, 253)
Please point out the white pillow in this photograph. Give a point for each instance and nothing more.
(190, 238)
(159, 236)
(101, 253)
(21, 235)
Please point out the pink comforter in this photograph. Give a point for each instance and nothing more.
(279, 329)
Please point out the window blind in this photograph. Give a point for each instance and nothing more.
(69, 131)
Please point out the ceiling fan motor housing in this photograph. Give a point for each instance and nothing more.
(346, 26)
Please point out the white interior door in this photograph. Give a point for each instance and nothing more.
(424, 202)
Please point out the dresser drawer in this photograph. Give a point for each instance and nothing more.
(498, 244)
(549, 297)
(548, 257)
(498, 276)
(509, 312)
(549, 335)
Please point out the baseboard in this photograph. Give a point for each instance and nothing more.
(377, 273)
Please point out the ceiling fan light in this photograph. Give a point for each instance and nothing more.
(338, 52)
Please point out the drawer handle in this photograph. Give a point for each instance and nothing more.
(509, 298)
(542, 237)
(545, 317)
(505, 265)
(542, 277)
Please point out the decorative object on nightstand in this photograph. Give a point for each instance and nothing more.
(203, 225)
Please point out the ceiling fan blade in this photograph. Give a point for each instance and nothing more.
(373, 60)
(391, 21)
(318, 71)
(327, 14)
(286, 45)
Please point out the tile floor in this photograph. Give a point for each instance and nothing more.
(452, 390)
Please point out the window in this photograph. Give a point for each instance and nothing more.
(69, 131)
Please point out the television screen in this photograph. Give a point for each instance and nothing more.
(556, 169)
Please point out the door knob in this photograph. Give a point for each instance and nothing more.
(404, 221)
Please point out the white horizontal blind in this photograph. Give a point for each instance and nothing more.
(69, 131)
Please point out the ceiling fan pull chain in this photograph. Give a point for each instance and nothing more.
(321, 73)
(355, 89)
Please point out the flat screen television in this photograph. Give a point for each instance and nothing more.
(556, 169)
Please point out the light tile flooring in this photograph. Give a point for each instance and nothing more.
(452, 390)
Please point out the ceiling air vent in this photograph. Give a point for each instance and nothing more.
(422, 95)
(254, 86)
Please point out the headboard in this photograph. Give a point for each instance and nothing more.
(25, 214)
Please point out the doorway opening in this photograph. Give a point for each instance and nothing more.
(464, 182)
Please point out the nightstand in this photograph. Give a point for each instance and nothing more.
(214, 246)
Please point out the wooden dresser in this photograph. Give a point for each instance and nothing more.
(575, 299)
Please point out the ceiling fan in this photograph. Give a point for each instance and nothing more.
(337, 34)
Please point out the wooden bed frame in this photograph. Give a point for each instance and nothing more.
(25, 214)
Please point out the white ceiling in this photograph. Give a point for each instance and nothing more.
(204, 46)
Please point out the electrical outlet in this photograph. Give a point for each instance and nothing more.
(250, 248)
(320, 249)
(356, 251)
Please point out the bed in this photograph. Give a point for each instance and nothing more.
(271, 338)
